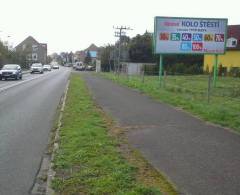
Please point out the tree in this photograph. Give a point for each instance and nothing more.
(9, 56)
(71, 57)
(140, 48)
(88, 58)
(49, 59)
(3, 54)
(107, 57)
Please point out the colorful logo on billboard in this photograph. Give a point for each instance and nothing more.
(219, 37)
(186, 46)
(197, 37)
(186, 37)
(164, 36)
(197, 46)
(175, 36)
(208, 37)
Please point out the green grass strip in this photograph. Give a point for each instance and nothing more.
(88, 160)
(190, 93)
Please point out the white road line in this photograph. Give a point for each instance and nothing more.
(22, 82)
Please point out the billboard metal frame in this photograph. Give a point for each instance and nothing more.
(187, 53)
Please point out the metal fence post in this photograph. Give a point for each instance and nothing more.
(164, 79)
(209, 88)
(143, 73)
(215, 73)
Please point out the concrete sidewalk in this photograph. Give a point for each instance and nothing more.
(201, 159)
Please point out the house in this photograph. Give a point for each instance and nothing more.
(231, 59)
(80, 56)
(93, 50)
(33, 50)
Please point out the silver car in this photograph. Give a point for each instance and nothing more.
(37, 67)
(47, 67)
(13, 71)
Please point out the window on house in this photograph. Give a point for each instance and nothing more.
(234, 43)
(23, 47)
(34, 47)
(34, 56)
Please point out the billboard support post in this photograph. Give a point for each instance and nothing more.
(195, 36)
(160, 69)
(215, 73)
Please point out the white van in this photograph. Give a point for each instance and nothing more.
(79, 66)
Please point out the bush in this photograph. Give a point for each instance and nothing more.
(235, 72)
(151, 69)
(181, 68)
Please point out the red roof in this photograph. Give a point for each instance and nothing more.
(234, 32)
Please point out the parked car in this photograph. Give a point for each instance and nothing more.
(55, 66)
(13, 71)
(47, 67)
(79, 66)
(90, 68)
(74, 66)
(37, 67)
(68, 65)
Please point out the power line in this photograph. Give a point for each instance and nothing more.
(120, 31)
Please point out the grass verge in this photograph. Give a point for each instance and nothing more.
(190, 93)
(90, 160)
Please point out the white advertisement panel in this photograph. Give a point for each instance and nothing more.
(189, 35)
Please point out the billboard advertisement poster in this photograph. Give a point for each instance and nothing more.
(174, 35)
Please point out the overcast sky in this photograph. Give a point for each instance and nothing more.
(71, 25)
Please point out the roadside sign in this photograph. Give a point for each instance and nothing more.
(173, 35)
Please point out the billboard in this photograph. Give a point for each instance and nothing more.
(174, 35)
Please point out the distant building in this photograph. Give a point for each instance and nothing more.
(34, 51)
(80, 56)
(93, 50)
(231, 59)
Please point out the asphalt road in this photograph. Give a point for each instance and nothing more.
(27, 110)
(200, 158)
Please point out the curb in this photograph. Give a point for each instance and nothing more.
(51, 173)
(45, 175)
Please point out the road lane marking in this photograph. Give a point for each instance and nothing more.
(19, 83)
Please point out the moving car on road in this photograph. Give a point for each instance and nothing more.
(13, 71)
(55, 66)
(47, 67)
(37, 67)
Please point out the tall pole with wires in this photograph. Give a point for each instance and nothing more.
(120, 31)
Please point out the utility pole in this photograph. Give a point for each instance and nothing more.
(120, 31)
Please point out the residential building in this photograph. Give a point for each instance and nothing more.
(80, 56)
(231, 59)
(33, 50)
(93, 50)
